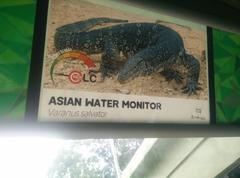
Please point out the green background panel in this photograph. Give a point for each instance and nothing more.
(16, 32)
(227, 76)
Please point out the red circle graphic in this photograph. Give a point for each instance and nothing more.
(75, 77)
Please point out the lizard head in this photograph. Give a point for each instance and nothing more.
(131, 69)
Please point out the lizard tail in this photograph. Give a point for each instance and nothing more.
(85, 25)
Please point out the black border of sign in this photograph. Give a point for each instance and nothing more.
(35, 77)
(211, 83)
(35, 74)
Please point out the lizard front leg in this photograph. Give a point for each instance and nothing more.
(109, 59)
(193, 67)
(144, 62)
(171, 74)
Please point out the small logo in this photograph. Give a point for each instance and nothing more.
(198, 110)
(198, 114)
(75, 75)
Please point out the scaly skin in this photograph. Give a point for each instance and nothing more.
(148, 47)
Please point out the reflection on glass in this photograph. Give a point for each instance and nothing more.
(120, 158)
(94, 158)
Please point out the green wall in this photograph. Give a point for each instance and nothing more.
(227, 76)
(16, 32)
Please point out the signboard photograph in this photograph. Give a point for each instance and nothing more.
(105, 61)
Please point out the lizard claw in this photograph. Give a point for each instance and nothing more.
(191, 88)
